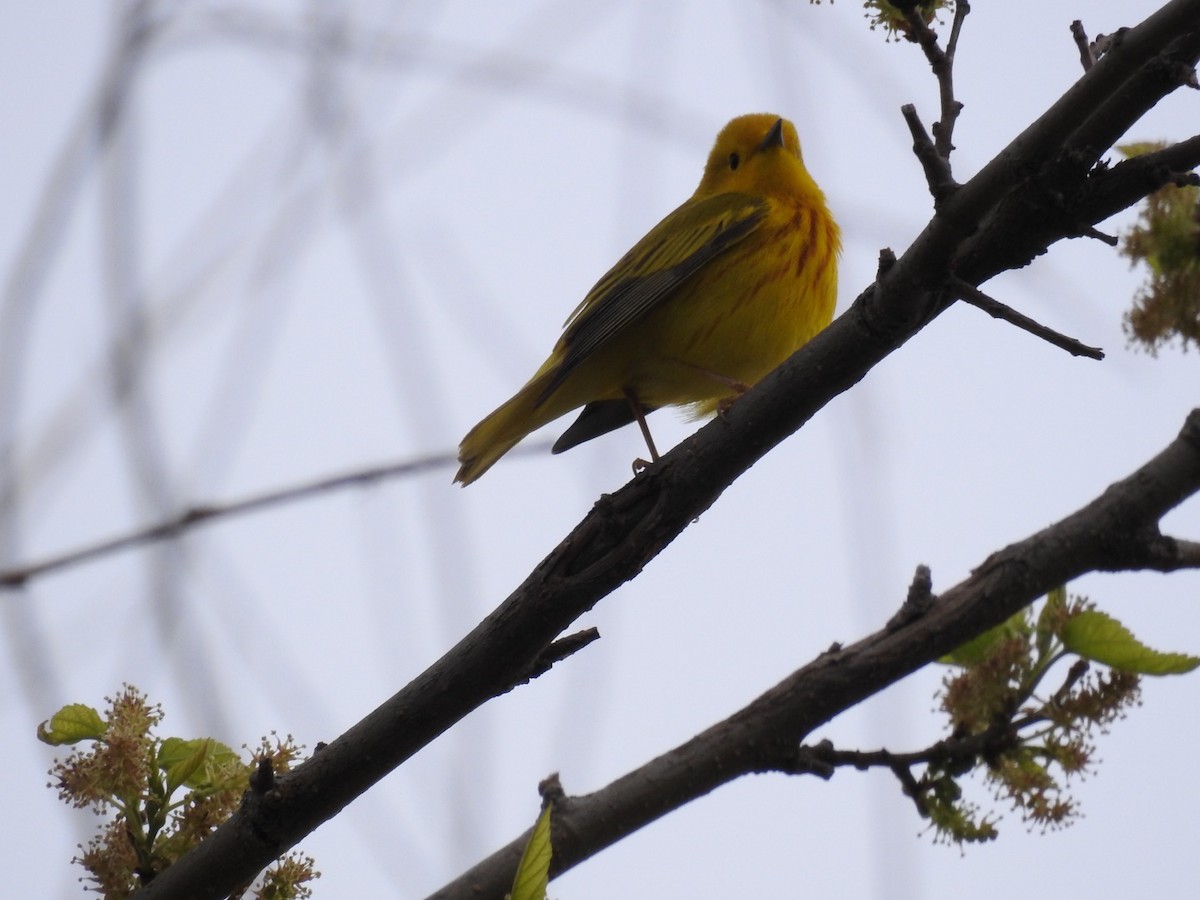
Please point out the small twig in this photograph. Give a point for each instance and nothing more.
(942, 64)
(961, 10)
(943, 129)
(557, 652)
(1096, 234)
(262, 779)
(1078, 669)
(1086, 59)
(814, 760)
(17, 576)
(937, 169)
(887, 259)
(920, 33)
(823, 759)
(911, 787)
(550, 789)
(1170, 554)
(972, 295)
(920, 598)
(921, 589)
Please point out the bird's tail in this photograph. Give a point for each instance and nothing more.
(503, 428)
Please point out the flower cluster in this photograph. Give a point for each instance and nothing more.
(165, 795)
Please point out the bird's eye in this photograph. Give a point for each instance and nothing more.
(734, 161)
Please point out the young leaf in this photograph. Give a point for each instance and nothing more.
(1098, 636)
(193, 763)
(533, 874)
(180, 760)
(72, 724)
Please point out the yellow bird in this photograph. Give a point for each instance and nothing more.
(718, 294)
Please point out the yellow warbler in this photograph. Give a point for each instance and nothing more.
(718, 294)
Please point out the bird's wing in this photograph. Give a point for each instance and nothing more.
(674, 250)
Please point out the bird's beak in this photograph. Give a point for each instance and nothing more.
(774, 137)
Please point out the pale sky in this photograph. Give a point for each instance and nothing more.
(345, 260)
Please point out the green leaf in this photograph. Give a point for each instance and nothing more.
(193, 763)
(183, 761)
(533, 874)
(978, 649)
(72, 724)
(1098, 636)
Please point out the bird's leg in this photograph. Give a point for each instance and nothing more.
(636, 407)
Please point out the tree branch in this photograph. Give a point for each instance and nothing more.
(943, 129)
(207, 513)
(558, 651)
(1087, 58)
(1113, 189)
(977, 298)
(938, 175)
(934, 154)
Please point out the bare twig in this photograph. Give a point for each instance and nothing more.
(972, 295)
(1184, 550)
(942, 64)
(1086, 59)
(1091, 231)
(919, 32)
(207, 513)
(920, 598)
(887, 259)
(961, 10)
(558, 651)
(937, 169)
(943, 129)
(1078, 669)
(823, 757)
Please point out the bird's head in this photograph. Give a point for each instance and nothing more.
(757, 153)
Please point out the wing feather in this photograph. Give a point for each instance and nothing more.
(650, 273)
